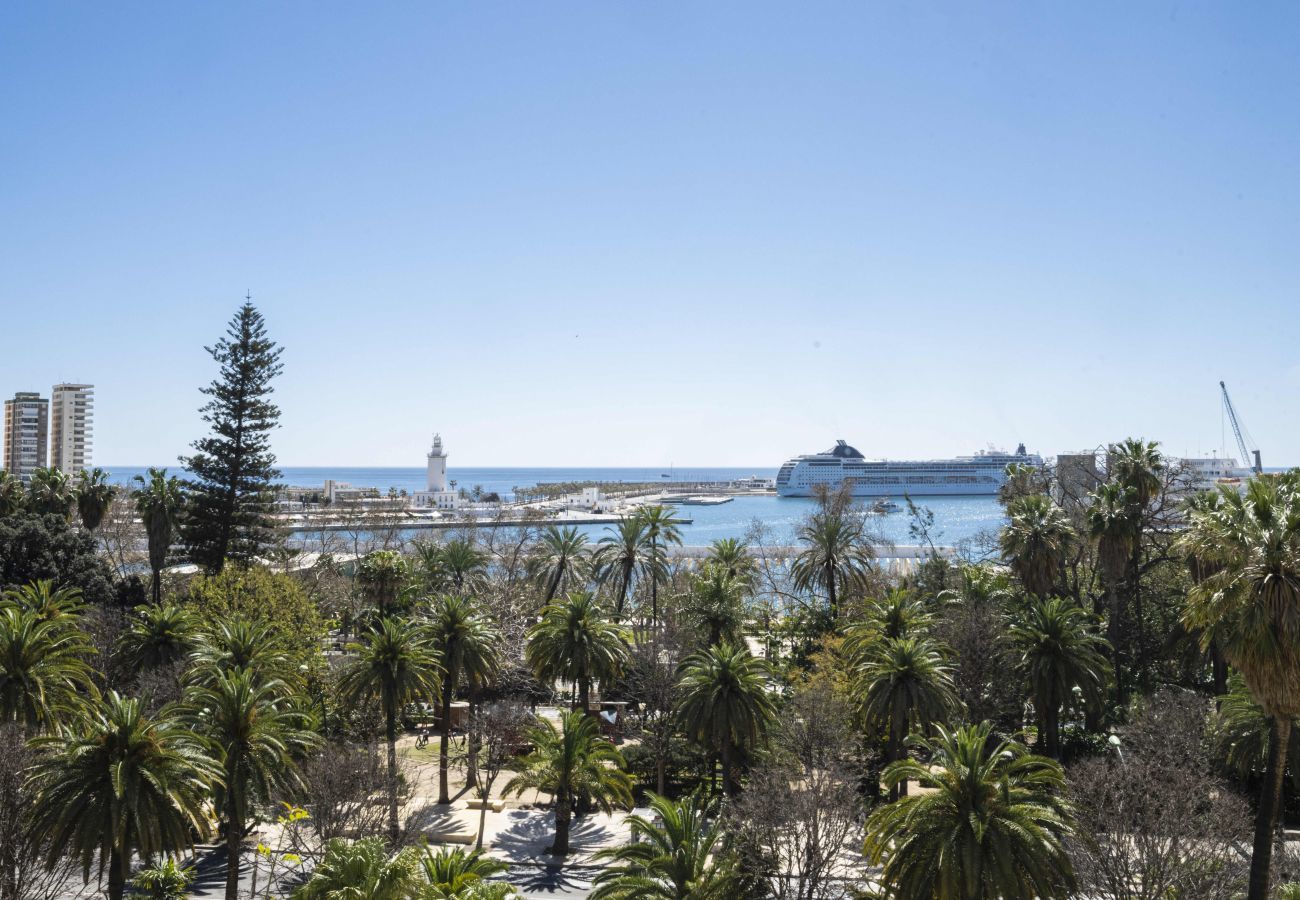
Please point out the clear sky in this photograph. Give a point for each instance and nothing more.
(642, 233)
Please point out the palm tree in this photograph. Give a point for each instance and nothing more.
(992, 824)
(1250, 608)
(898, 614)
(732, 554)
(1137, 465)
(50, 493)
(1115, 530)
(560, 559)
(239, 645)
(836, 555)
(43, 670)
(1058, 652)
(94, 496)
(455, 873)
(725, 703)
(575, 765)
(381, 575)
(715, 605)
(158, 636)
(903, 686)
(160, 501)
(1240, 732)
(44, 600)
(167, 880)
(398, 664)
(1036, 541)
(464, 565)
(660, 528)
(362, 870)
(13, 495)
(574, 641)
(621, 556)
(122, 783)
(468, 644)
(255, 736)
(676, 855)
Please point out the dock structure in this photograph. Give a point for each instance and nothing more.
(884, 551)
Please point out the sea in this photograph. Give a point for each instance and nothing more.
(956, 519)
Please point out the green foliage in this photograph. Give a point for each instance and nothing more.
(158, 636)
(1036, 541)
(167, 880)
(992, 824)
(50, 493)
(725, 704)
(35, 547)
(160, 501)
(455, 873)
(715, 605)
(561, 560)
(576, 641)
(837, 555)
(677, 855)
(94, 495)
(44, 673)
(119, 783)
(233, 468)
(257, 595)
(362, 870)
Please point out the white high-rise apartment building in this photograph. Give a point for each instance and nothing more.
(72, 423)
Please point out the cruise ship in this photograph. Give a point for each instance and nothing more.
(982, 473)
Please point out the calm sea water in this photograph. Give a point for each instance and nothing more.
(956, 518)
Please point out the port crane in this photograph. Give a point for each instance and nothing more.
(1251, 456)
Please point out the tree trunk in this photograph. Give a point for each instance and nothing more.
(482, 818)
(563, 813)
(1220, 665)
(584, 695)
(1113, 632)
(117, 866)
(1261, 858)
(155, 587)
(893, 753)
(728, 783)
(830, 594)
(390, 715)
(471, 737)
(660, 772)
(234, 832)
(444, 738)
(654, 586)
(1052, 729)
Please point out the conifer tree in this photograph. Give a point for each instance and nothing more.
(233, 469)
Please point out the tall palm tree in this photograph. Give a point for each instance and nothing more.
(836, 555)
(898, 614)
(725, 704)
(1250, 608)
(398, 664)
(677, 855)
(122, 783)
(43, 670)
(577, 766)
(158, 636)
(1241, 732)
(381, 575)
(160, 501)
(715, 605)
(992, 823)
(1114, 529)
(560, 559)
(1137, 465)
(362, 870)
(94, 495)
(660, 531)
(621, 556)
(1058, 652)
(255, 736)
(903, 686)
(733, 555)
(468, 643)
(44, 600)
(13, 495)
(49, 493)
(1036, 541)
(575, 641)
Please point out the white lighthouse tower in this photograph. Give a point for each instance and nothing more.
(437, 467)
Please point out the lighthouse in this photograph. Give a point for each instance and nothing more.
(437, 467)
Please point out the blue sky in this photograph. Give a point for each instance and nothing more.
(642, 233)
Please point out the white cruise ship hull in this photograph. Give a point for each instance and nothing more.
(979, 475)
